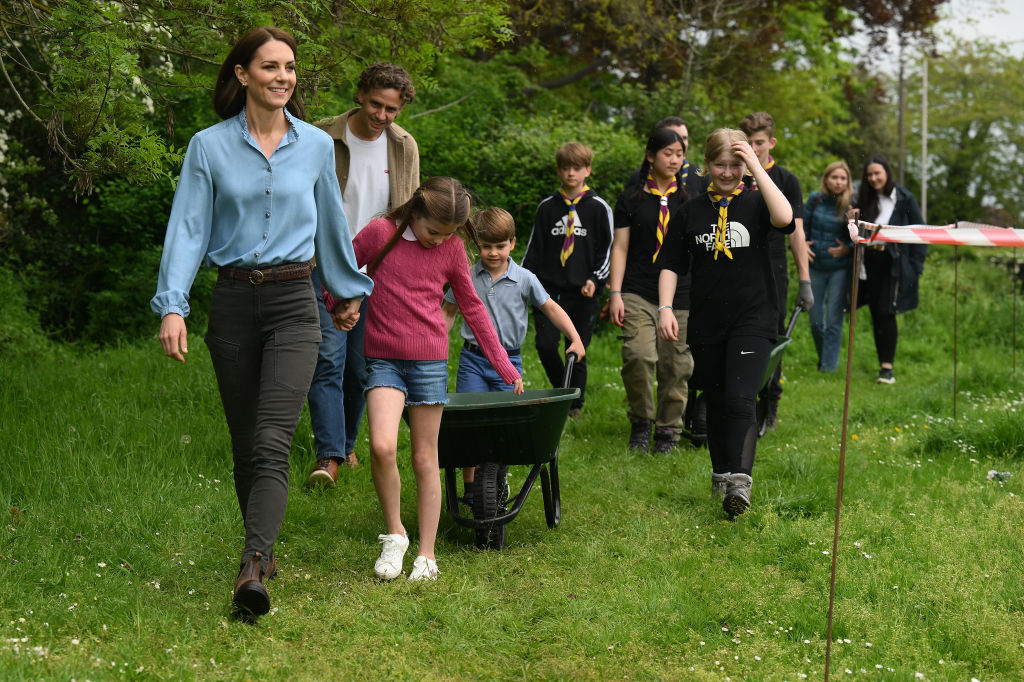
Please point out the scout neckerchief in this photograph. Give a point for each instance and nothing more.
(570, 226)
(768, 166)
(722, 202)
(663, 216)
(684, 172)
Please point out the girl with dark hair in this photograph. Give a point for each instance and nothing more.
(891, 271)
(410, 255)
(258, 198)
(642, 216)
(829, 252)
(721, 238)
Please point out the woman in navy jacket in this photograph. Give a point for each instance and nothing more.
(891, 270)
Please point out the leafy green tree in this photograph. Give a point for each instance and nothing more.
(975, 134)
(106, 95)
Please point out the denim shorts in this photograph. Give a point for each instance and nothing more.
(424, 382)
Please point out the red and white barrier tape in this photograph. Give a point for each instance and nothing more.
(962, 233)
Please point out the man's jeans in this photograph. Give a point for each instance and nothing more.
(336, 400)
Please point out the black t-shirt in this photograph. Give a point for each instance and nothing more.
(638, 210)
(790, 188)
(728, 296)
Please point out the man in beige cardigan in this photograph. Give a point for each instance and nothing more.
(378, 168)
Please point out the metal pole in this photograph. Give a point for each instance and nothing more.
(924, 140)
(858, 251)
(901, 111)
(956, 315)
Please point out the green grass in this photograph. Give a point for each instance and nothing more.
(120, 532)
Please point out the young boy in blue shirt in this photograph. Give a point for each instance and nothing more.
(508, 291)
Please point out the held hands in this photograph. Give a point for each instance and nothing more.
(346, 314)
(668, 325)
(588, 289)
(174, 336)
(804, 297)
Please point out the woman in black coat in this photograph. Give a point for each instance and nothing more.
(892, 270)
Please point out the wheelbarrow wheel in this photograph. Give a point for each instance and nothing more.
(490, 497)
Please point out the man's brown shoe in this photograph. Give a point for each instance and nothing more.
(350, 460)
(324, 473)
(251, 597)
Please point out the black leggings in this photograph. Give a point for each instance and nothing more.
(875, 291)
(730, 375)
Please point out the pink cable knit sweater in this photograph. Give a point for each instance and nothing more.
(403, 314)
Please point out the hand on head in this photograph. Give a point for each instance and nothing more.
(745, 152)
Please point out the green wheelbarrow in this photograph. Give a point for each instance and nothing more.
(492, 431)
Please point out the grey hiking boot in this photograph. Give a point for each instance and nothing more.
(640, 434)
(737, 494)
(719, 485)
(665, 441)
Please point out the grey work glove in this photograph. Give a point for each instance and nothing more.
(804, 297)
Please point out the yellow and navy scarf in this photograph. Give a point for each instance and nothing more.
(663, 214)
(723, 216)
(570, 227)
(768, 166)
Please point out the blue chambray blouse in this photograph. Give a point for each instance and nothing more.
(235, 207)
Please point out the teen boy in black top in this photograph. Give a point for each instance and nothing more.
(760, 129)
(570, 252)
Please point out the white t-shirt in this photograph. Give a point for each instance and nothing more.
(367, 191)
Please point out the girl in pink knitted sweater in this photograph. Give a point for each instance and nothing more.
(410, 255)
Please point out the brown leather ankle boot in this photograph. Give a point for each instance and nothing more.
(250, 595)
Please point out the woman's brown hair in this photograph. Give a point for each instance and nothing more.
(442, 199)
(228, 93)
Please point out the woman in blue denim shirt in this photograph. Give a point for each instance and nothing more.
(258, 198)
(830, 253)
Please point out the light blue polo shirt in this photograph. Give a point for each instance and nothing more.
(508, 300)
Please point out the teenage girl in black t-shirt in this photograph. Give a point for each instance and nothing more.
(642, 216)
(733, 306)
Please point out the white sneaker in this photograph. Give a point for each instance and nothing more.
(424, 569)
(389, 565)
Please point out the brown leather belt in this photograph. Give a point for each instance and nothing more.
(277, 273)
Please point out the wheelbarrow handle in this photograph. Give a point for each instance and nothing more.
(792, 320)
(570, 360)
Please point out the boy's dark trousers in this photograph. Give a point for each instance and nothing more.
(583, 312)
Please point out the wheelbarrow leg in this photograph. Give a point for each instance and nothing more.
(552, 494)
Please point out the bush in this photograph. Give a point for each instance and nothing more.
(19, 328)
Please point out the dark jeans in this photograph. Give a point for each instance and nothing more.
(336, 399)
(263, 342)
(875, 291)
(730, 375)
(583, 312)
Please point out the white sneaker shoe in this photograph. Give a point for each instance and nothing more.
(424, 569)
(389, 565)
